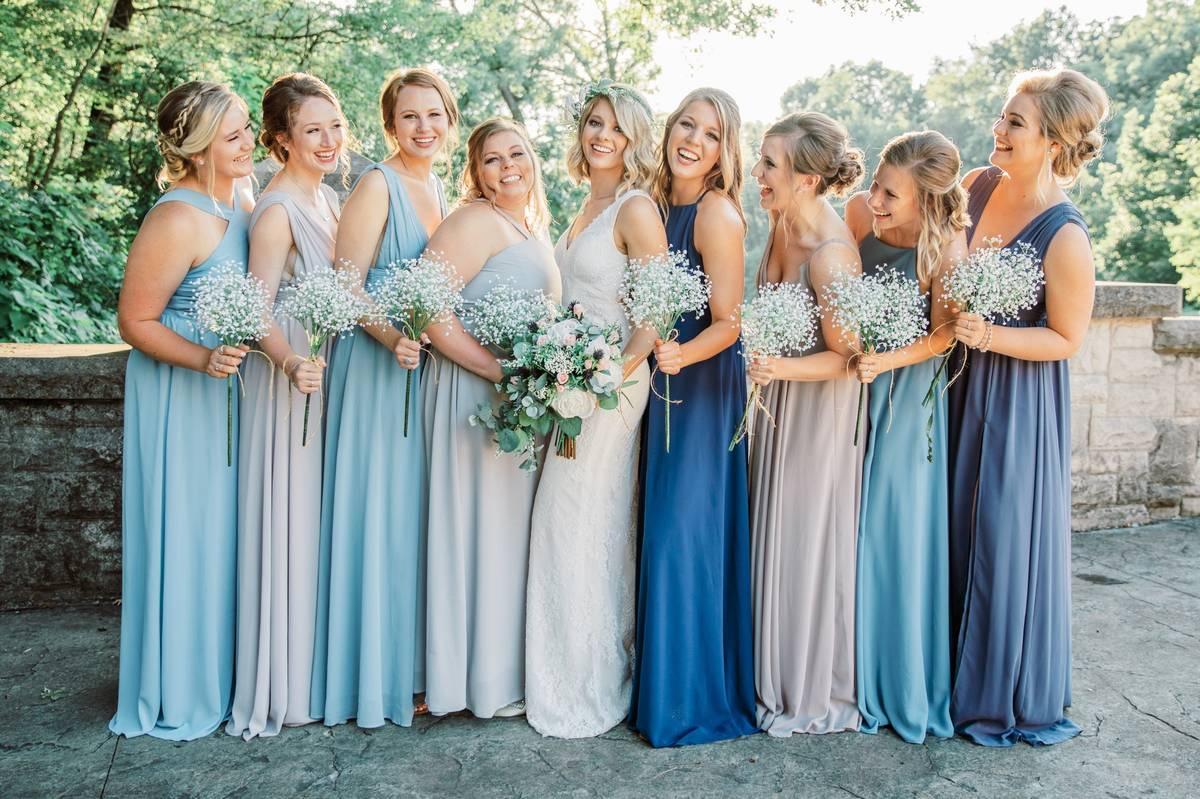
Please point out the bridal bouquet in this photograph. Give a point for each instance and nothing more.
(996, 283)
(415, 295)
(656, 292)
(884, 311)
(781, 319)
(506, 312)
(326, 303)
(232, 305)
(563, 367)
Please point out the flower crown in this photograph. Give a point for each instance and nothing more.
(605, 87)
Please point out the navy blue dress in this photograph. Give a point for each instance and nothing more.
(1010, 528)
(694, 664)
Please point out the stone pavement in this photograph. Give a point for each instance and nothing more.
(1136, 683)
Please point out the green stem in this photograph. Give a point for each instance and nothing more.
(229, 421)
(304, 433)
(407, 388)
(667, 382)
(743, 425)
(858, 416)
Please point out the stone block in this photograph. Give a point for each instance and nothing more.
(1080, 419)
(1164, 513)
(99, 414)
(1140, 399)
(1089, 490)
(1119, 299)
(1187, 399)
(1190, 506)
(62, 371)
(1122, 432)
(1132, 486)
(1109, 517)
(1088, 388)
(1092, 357)
(1187, 369)
(1173, 460)
(1104, 462)
(66, 449)
(1133, 333)
(1160, 495)
(1137, 366)
(1177, 334)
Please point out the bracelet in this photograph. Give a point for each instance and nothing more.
(987, 337)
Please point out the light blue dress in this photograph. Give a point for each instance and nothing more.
(370, 637)
(903, 618)
(179, 525)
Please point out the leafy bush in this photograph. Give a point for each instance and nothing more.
(61, 261)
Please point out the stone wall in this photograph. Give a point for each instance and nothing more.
(1135, 387)
(1135, 425)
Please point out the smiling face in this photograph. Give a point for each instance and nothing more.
(506, 169)
(231, 153)
(316, 136)
(777, 182)
(601, 138)
(1018, 136)
(420, 122)
(893, 199)
(694, 142)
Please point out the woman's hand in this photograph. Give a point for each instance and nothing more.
(668, 357)
(970, 329)
(224, 360)
(763, 370)
(868, 365)
(408, 352)
(306, 375)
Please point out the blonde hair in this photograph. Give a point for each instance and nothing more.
(425, 78)
(537, 212)
(636, 121)
(189, 118)
(1072, 108)
(819, 145)
(726, 175)
(282, 100)
(933, 163)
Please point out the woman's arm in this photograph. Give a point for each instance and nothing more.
(158, 261)
(466, 239)
(270, 247)
(359, 232)
(1070, 293)
(719, 236)
(639, 233)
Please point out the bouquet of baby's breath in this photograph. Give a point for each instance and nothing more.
(504, 313)
(782, 319)
(656, 292)
(884, 311)
(996, 283)
(563, 367)
(326, 302)
(232, 305)
(413, 296)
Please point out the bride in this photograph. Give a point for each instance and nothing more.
(580, 603)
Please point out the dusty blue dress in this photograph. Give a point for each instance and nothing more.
(178, 525)
(1010, 528)
(370, 636)
(694, 662)
(902, 628)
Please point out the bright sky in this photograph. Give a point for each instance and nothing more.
(808, 39)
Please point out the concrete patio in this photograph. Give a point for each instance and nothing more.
(1136, 683)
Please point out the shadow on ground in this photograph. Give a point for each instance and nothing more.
(1136, 695)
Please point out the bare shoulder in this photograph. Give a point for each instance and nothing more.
(372, 186)
(243, 194)
(718, 211)
(171, 220)
(970, 178)
(470, 215)
(273, 224)
(639, 212)
(1072, 246)
(858, 215)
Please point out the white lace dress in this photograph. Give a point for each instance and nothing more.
(580, 599)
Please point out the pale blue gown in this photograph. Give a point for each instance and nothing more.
(370, 638)
(179, 525)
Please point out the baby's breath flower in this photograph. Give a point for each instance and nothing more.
(996, 282)
(417, 293)
(231, 304)
(884, 310)
(506, 312)
(326, 302)
(659, 290)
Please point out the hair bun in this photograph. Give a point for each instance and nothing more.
(850, 171)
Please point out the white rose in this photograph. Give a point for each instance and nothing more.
(559, 331)
(606, 380)
(598, 348)
(573, 402)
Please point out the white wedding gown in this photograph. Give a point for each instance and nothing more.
(579, 626)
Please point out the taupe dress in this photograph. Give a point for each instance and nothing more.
(805, 477)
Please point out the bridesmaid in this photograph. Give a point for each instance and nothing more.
(279, 486)
(479, 527)
(179, 497)
(579, 655)
(369, 649)
(804, 469)
(694, 673)
(912, 220)
(1010, 425)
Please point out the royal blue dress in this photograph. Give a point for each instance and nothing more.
(370, 636)
(902, 628)
(1010, 528)
(179, 524)
(694, 662)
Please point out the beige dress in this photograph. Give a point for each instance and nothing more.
(805, 477)
(279, 516)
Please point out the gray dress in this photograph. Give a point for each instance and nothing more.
(480, 504)
(805, 477)
(279, 515)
